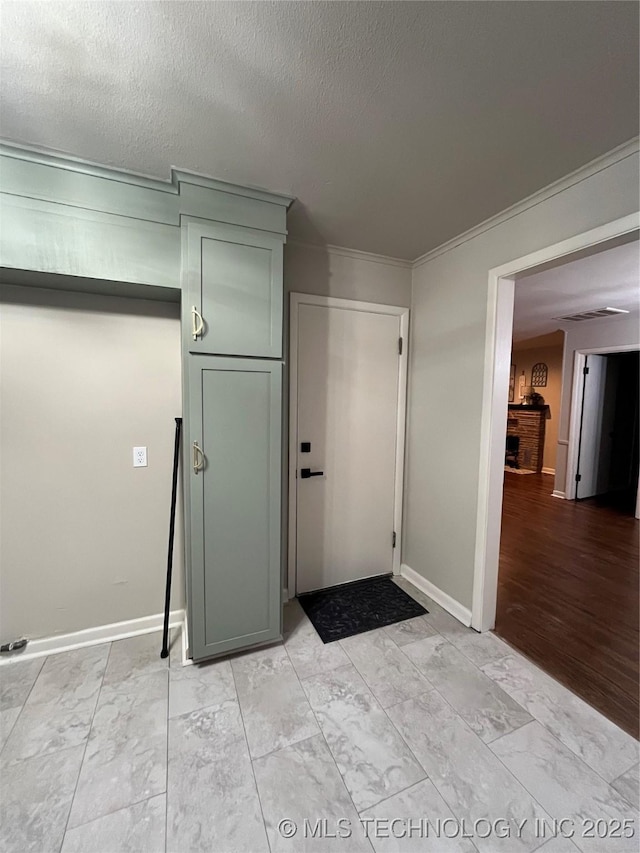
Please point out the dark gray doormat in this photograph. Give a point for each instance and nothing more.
(352, 608)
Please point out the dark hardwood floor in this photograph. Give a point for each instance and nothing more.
(568, 593)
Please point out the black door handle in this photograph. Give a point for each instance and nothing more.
(305, 473)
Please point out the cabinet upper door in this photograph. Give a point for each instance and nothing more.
(235, 459)
(234, 287)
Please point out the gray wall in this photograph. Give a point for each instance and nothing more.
(448, 344)
(334, 272)
(83, 379)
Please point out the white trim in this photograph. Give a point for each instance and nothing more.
(356, 254)
(186, 659)
(461, 613)
(93, 636)
(401, 429)
(499, 330)
(293, 446)
(575, 412)
(627, 149)
(297, 299)
(575, 407)
(349, 304)
(558, 494)
(493, 428)
(551, 471)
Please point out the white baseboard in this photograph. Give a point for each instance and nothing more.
(551, 471)
(93, 636)
(186, 659)
(461, 613)
(558, 494)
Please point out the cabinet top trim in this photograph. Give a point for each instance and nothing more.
(183, 176)
(77, 164)
(84, 167)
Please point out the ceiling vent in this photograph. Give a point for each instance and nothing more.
(592, 315)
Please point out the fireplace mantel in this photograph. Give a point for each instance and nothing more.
(528, 423)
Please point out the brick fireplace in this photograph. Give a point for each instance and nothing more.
(528, 423)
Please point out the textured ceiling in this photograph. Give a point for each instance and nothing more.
(396, 125)
(608, 279)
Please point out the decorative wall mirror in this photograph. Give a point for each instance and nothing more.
(539, 375)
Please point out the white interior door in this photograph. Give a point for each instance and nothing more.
(590, 446)
(347, 416)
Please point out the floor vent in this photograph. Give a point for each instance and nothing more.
(591, 315)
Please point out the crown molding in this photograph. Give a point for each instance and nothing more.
(354, 254)
(627, 149)
(59, 160)
(185, 176)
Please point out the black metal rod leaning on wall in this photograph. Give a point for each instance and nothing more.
(172, 527)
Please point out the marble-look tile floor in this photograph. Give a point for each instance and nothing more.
(422, 736)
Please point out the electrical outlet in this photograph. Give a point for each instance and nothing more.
(139, 457)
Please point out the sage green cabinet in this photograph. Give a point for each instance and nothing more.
(234, 290)
(220, 245)
(235, 456)
(232, 315)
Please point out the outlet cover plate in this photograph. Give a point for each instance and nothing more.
(139, 457)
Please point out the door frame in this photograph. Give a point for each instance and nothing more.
(495, 395)
(575, 412)
(295, 301)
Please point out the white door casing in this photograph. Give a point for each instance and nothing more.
(591, 427)
(347, 399)
(575, 413)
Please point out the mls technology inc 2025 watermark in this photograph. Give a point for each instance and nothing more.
(452, 828)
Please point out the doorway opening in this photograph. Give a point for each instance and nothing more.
(607, 458)
(566, 557)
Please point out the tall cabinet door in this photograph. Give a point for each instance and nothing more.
(235, 490)
(234, 285)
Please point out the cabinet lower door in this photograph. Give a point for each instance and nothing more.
(235, 427)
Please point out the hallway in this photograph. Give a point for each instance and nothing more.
(568, 593)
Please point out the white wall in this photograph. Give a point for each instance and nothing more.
(84, 378)
(331, 271)
(590, 334)
(448, 343)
